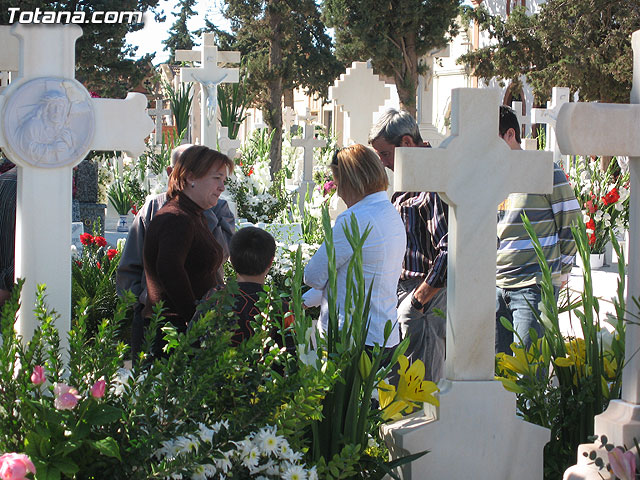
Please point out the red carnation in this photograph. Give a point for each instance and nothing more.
(86, 238)
(134, 208)
(98, 265)
(79, 263)
(100, 241)
(112, 252)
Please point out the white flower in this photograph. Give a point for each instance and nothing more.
(223, 464)
(624, 194)
(313, 475)
(618, 206)
(199, 473)
(288, 454)
(309, 358)
(187, 443)
(205, 433)
(598, 216)
(294, 472)
(252, 458)
(268, 441)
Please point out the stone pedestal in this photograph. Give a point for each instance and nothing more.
(474, 434)
(88, 213)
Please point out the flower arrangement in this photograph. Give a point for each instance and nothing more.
(93, 274)
(258, 197)
(563, 383)
(603, 197)
(621, 462)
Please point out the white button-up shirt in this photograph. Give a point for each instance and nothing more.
(382, 256)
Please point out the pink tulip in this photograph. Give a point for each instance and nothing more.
(623, 464)
(15, 466)
(38, 377)
(66, 396)
(97, 391)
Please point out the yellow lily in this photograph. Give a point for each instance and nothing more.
(412, 387)
(520, 362)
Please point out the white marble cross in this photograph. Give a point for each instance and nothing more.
(158, 113)
(360, 93)
(474, 170)
(209, 75)
(48, 125)
(288, 118)
(523, 120)
(548, 116)
(308, 143)
(227, 145)
(612, 129)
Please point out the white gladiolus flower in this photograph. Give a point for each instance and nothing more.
(598, 216)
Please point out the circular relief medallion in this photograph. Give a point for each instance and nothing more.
(48, 122)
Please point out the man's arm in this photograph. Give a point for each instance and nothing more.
(438, 227)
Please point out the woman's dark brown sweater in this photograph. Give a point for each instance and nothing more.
(181, 257)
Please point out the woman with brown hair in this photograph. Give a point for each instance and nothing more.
(181, 255)
(362, 184)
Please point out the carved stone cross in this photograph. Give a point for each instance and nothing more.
(209, 75)
(48, 124)
(361, 93)
(158, 113)
(612, 129)
(288, 118)
(548, 116)
(227, 145)
(474, 170)
(308, 143)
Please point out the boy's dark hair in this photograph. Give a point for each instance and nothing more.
(508, 119)
(251, 250)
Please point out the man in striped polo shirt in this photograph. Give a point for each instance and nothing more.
(422, 286)
(517, 271)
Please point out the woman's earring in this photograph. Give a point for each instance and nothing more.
(193, 184)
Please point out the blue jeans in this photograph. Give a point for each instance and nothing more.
(515, 304)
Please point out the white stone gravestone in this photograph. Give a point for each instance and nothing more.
(48, 124)
(475, 432)
(158, 113)
(548, 116)
(227, 145)
(360, 93)
(289, 117)
(209, 75)
(612, 129)
(308, 143)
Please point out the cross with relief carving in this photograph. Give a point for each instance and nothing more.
(209, 75)
(48, 124)
(473, 170)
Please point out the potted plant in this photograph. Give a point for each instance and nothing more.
(120, 198)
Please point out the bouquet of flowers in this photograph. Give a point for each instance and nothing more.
(257, 196)
(603, 197)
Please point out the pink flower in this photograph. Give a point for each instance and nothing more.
(623, 464)
(97, 391)
(66, 397)
(38, 377)
(15, 466)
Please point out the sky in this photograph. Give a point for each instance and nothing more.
(149, 39)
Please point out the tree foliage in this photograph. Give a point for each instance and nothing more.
(581, 44)
(179, 34)
(101, 52)
(394, 35)
(284, 45)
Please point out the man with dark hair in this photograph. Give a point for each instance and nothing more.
(422, 285)
(518, 273)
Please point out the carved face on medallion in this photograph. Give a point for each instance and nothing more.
(48, 123)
